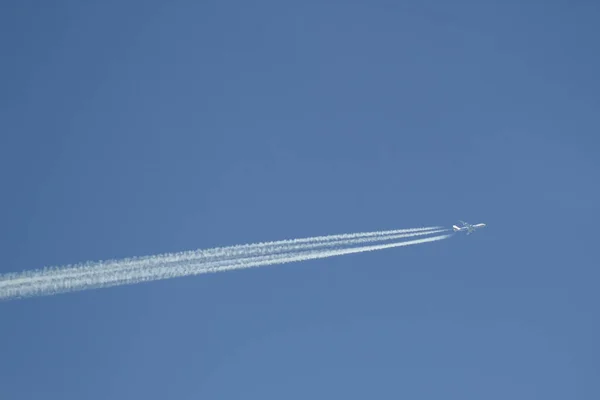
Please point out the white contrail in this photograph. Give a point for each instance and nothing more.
(67, 279)
(216, 253)
(45, 276)
(187, 268)
(177, 269)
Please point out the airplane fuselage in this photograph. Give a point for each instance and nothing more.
(469, 228)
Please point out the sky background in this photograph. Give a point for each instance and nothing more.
(135, 128)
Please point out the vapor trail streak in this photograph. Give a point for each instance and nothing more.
(179, 268)
(215, 253)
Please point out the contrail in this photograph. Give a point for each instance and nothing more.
(219, 253)
(105, 268)
(158, 267)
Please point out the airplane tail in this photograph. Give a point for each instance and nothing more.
(455, 228)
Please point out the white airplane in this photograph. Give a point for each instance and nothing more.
(469, 228)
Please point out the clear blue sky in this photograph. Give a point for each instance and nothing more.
(135, 128)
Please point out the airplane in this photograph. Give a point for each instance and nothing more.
(469, 228)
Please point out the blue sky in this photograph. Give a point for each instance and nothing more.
(135, 128)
